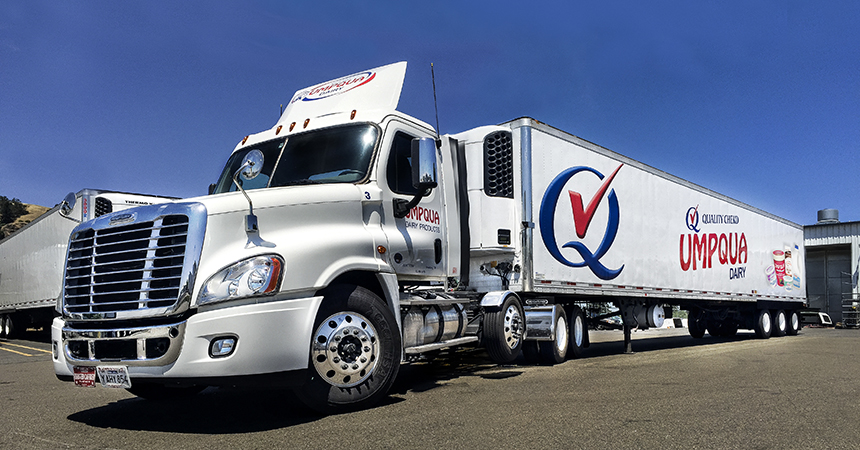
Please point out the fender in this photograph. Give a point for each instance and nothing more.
(496, 298)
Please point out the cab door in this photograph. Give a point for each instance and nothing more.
(416, 247)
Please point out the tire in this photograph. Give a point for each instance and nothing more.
(723, 328)
(578, 332)
(354, 353)
(780, 324)
(555, 351)
(531, 352)
(763, 324)
(504, 330)
(793, 324)
(730, 329)
(696, 325)
(2, 325)
(162, 392)
(715, 328)
(9, 328)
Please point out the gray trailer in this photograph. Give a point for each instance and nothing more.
(32, 259)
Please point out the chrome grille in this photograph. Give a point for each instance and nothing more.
(126, 268)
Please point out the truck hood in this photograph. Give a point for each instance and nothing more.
(263, 199)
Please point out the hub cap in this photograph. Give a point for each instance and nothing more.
(513, 326)
(345, 349)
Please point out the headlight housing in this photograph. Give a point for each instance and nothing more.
(255, 276)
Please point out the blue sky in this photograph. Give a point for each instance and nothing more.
(756, 100)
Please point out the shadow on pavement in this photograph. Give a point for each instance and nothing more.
(243, 410)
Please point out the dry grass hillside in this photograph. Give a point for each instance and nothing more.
(33, 213)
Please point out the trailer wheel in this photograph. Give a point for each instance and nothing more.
(793, 325)
(162, 392)
(780, 324)
(722, 328)
(9, 328)
(763, 324)
(354, 351)
(504, 330)
(696, 325)
(578, 335)
(555, 351)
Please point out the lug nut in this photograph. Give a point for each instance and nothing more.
(363, 359)
(344, 367)
(337, 338)
(336, 359)
(366, 349)
(355, 367)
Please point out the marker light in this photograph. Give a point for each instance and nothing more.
(352, 115)
(307, 121)
(278, 130)
(255, 276)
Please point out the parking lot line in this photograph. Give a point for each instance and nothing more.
(15, 351)
(28, 348)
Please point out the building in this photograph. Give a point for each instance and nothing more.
(832, 258)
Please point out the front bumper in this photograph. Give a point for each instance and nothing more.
(271, 337)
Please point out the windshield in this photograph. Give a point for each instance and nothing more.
(331, 155)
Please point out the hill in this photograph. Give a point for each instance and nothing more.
(33, 213)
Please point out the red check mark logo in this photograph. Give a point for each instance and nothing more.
(582, 216)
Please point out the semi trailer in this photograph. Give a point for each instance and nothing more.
(351, 238)
(32, 259)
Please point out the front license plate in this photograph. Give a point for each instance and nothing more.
(85, 376)
(114, 376)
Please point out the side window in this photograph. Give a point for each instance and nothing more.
(400, 165)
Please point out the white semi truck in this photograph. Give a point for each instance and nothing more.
(33, 258)
(350, 238)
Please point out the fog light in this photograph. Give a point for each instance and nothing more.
(222, 347)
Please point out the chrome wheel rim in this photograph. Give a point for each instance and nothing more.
(513, 326)
(345, 349)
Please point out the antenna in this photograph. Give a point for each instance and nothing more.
(435, 106)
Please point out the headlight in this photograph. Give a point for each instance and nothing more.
(259, 275)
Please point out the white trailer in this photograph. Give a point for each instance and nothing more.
(350, 238)
(32, 259)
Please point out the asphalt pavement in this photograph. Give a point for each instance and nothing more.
(673, 392)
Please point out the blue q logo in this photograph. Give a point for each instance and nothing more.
(581, 219)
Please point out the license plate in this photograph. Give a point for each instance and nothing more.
(85, 376)
(114, 376)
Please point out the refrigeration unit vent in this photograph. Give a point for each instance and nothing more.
(499, 165)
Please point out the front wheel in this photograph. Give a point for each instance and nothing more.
(354, 352)
(504, 330)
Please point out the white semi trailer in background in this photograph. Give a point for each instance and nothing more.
(32, 259)
(350, 238)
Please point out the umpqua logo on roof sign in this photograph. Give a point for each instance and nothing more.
(582, 220)
(332, 88)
